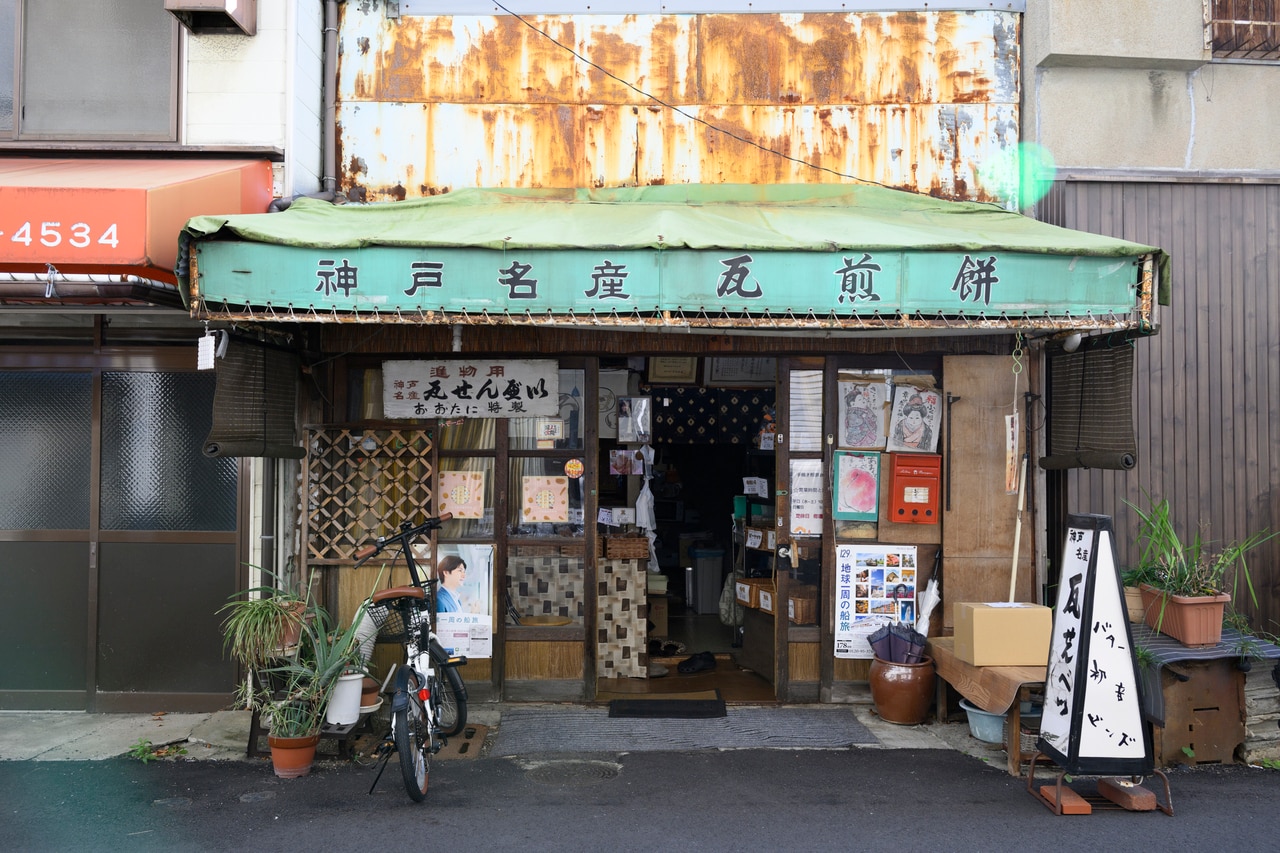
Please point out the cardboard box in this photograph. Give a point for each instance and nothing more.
(1002, 633)
(659, 610)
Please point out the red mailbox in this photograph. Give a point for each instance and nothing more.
(914, 482)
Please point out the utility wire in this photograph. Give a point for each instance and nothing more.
(682, 112)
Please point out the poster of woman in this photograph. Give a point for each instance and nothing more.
(464, 608)
(913, 426)
(862, 409)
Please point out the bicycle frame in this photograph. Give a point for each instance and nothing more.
(417, 731)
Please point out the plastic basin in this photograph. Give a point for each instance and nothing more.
(984, 725)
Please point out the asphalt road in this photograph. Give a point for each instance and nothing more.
(860, 799)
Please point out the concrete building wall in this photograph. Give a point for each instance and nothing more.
(261, 90)
(1132, 86)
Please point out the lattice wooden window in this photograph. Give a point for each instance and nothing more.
(362, 483)
(1243, 29)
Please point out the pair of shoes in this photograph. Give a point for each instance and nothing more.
(697, 663)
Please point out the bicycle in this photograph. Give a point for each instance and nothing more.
(429, 704)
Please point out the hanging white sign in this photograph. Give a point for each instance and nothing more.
(806, 497)
(471, 388)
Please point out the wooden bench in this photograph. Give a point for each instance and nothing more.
(995, 689)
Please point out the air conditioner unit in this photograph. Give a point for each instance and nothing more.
(209, 17)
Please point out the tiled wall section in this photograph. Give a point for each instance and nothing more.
(547, 586)
(622, 610)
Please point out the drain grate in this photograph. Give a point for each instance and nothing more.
(573, 772)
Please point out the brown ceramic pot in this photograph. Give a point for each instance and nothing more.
(902, 692)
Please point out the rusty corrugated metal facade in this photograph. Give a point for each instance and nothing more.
(912, 100)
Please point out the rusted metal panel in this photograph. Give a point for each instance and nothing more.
(928, 148)
(871, 58)
(909, 99)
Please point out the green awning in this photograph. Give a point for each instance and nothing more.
(794, 255)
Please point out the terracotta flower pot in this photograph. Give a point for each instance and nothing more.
(902, 692)
(1133, 603)
(293, 756)
(369, 691)
(1191, 620)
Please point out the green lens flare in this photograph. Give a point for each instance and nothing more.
(1022, 173)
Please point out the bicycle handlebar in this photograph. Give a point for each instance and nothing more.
(407, 531)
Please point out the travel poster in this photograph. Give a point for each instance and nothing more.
(875, 586)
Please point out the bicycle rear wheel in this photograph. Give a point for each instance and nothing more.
(413, 741)
(453, 702)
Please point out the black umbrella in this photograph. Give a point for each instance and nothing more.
(899, 642)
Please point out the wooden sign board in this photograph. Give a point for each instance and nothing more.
(1092, 722)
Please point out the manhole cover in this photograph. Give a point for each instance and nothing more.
(573, 772)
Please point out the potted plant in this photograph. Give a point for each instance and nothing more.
(261, 623)
(293, 656)
(309, 674)
(1186, 586)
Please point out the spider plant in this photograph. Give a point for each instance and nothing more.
(261, 622)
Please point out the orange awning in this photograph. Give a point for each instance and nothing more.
(116, 216)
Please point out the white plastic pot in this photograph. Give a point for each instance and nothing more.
(344, 704)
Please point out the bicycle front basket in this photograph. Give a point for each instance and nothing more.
(393, 618)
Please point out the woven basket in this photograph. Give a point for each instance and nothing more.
(626, 548)
(804, 610)
(1030, 733)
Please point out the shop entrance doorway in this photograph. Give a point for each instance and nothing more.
(697, 621)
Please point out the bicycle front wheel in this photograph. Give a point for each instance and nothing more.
(413, 741)
(453, 702)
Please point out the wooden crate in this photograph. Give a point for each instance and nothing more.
(747, 590)
(1203, 716)
(766, 598)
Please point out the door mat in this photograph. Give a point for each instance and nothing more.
(547, 729)
(669, 708)
(466, 744)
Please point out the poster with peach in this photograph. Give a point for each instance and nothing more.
(462, 493)
(857, 485)
(544, 499)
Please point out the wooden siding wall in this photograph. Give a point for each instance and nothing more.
(1207, 388)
